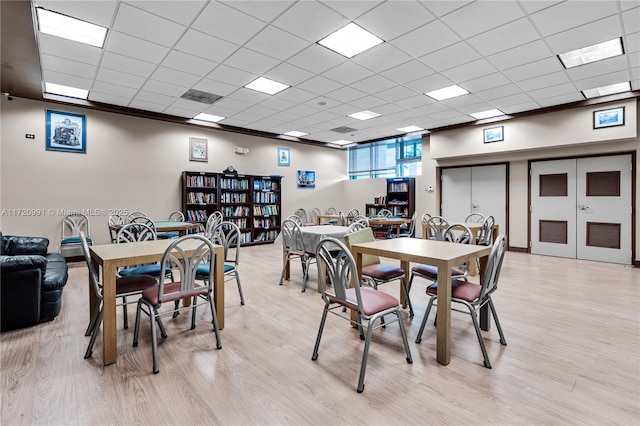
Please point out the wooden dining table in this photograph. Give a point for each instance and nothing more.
(444, 255)
(392, 222)
(168, 226)
(329, 217)
(109, 257)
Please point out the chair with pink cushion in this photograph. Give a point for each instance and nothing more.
(341, 289)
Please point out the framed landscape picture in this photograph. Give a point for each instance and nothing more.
(608, 118)
(198, 149)
(306, 179)
(66, 132)
(494, 134)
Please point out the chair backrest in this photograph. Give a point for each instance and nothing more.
(331, 210)
(302, 214)
(361, 218)
(412, 224)
(342, 221)
(93, 277)
(385, 213)
(72, 224)
(334, 258)
(494, 266)
(362, 236)
(356, 226)
(134, 215)
(292, 236)
(176, 257)
(133, 232)
(425, 218)
(214, 220)
(115, 219)
(436, 227)
(485, 237)
(475, 218)
(296, 219)
(352, 214)
(459, 233)
(227, 234)
(176, 217)
(314, 214)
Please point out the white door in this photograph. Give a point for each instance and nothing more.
(475, 189)
(581, 208)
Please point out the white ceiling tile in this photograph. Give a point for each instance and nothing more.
(169, 75)
(486, 82)
(409, 71)
(147, 26)
(603, 80)
(429, 83)
(232, 76)
(534, 6)
(324, 21)
(391, 109)
(451, 56)
(226, 23)
(316, 58)
(561, 99)
(232, 104)
(570, 14)
(68, 49)
(632, 42)
(135, 48)
(534, 69)
(306, 113)
(505, 37)
(348, 73)
(114, 89)
(415, 101)
(251, 61)
(593, 69)
(396, 93)
(635, 84)
(181, 112)
(366, 103)
(319, 85)
(443, 7)
(394, 18)
(587, 35)
(108, 98)
(278, 104)
(431, 108)
(526, 106)
(297, 95)
(346, 94)
(96, 12)
(164, 88)
(155, 98)
(265, 10)
(188, 63)
(276, 43)
(215, 87)
(507, 101)
(373, 84)
(114, 61)
(120, 78)
(551, 91)
(499, 92)
(66, 66)
(631, 20)
(381, 57)
(461, 101)
(544, 81)
(437, 34)
(180, 11)
(66, 79)
(479, 17)
(475, 69)
(147, 106)
(352, 9)
(189, 105)
(205, 46)
(288, 74)
(247, 95)
(529, 52)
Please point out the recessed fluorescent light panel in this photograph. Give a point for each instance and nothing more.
(410, 129)
(59, 89)
(447, 93)
(364, 115)
(342, 142)
(267, 86)
(486, 114)
(60, 25)
(350, 40)
(208, 117)
(607, 90)
(295, 134)
(596, 52)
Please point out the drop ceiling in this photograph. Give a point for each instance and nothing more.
(502, 52)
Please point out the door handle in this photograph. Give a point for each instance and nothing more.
(475, 206)
(582, 207)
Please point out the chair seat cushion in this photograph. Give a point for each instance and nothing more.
(204, 269)
(134, 283)
(373, 301)
(74, 240)
(171, 292)
(460, 290)
(152, 269)
(431, 272)
(381, 271)
(167, 235)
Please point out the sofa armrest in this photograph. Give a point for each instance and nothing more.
(17, 245)
(22, 263)
(20, 299)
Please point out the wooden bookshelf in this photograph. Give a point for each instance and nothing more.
(401, 196)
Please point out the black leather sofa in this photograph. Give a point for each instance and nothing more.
(31, 282)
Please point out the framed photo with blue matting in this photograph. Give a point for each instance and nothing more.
(66, 132)
(608, 117)
(494, 134)
(284, 157)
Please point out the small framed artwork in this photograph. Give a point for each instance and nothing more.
(494, 134)
(608, 117)
(284, 157)
(66, 132)
(306, 179)
(198, 149)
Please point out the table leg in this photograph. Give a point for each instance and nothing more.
(404, 264)
(484, 311)
(218, 291)
(443, 328)
(287, 269)
(109, 338)
(358, 257)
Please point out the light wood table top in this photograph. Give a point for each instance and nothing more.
(444, 255)
(112, 256)
(167, 226)
(329, 217)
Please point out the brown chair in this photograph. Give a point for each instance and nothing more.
(474, 296)
(374, 272)
(125, 286)
(343, 291)
(176, 257)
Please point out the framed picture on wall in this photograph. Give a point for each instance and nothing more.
(306, 179)
(66, 132)
(284, 157)
(494, 134)
(198, 149)
(608, 117)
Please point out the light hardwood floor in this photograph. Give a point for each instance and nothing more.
(572, 329)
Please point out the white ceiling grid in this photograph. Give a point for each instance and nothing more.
(502, 52)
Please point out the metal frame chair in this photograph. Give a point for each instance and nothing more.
(411, 229)
(344, 291)
(295, 249)
(175, 256)
(436, 228)
(302, 214)
(315, 212)
(134, 215)
(296, 219)
(385, 213)
(176, 216)
(72, 225)
(475, 296)
(474, 218)
(113, 220)
(214, 219)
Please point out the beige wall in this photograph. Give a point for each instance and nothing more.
(135, 164)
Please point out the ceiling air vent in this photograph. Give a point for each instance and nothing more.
(199, 96)
(343, 129)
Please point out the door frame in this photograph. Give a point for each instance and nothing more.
(633, 194)
(506, 190)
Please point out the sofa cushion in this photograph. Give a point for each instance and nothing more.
(13, 245)
(55, 277)
(22, 263)
(55, 257)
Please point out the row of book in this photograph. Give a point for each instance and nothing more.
(265, 185)
(265, 210)
(233, 197)
(264, 223)
(242, 223)
(236, 211)
(265, 197)
(226, 183)
(266, 236)
(201, 198)
(197, 215)
(380, 200)
(398, 187)
(201, 181)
